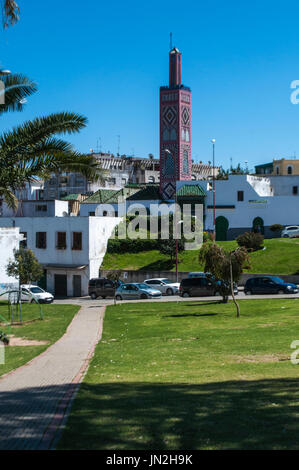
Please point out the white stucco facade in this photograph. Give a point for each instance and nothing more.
(10, 238)
(71, 265)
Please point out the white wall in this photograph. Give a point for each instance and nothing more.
(9, 241)
(95, 234)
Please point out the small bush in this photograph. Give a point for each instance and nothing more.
(251, 241)
(4, 338)
(276, 228)
(207, 237)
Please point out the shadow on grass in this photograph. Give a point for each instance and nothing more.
(190, 315)
(159, 265)
(261, 414)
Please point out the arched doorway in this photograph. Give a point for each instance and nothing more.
(258, 225)
(221, 228)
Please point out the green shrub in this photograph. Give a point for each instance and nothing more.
(4, 338)
(251, 241)
(131, 246)
(276, 228)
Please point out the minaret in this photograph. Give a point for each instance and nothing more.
(175, 129)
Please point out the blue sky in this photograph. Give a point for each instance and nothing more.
(106, 60)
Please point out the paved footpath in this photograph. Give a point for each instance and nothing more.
(35, 397)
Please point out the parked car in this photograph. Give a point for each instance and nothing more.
(269, 285)
(290, 232)
(201, 286)
(135, 291)
(164, 285)
(101, 287)
(196, 274)
(34, 294)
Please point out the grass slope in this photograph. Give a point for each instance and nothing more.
(56, 320)
(281, 256)
(191, 376)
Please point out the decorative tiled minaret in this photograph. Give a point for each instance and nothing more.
(175, 129)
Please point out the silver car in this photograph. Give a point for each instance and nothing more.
(290, 232)
(136, 291)
(164, 285)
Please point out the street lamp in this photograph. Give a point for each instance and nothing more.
(176, 223)
(214, 218)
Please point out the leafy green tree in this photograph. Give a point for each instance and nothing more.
(168, 247)
(24, 266)
(224, 268)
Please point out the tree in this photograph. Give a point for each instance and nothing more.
(10, 13)
(17, 88)
(168, 247)
(31, 151)
(24, 266)
(224, 268)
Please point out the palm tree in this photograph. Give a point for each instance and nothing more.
(32, 150)
(10, 13)
(17, 88)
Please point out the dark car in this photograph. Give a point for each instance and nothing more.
(269, 285)
(101, 287)
(203, 285)
(197, 287)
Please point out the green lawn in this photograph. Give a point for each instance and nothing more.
(191, 376)
(56, 320)
(281, 256)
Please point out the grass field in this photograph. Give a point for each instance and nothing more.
(56, 320)
(191, 376)
(281, 256)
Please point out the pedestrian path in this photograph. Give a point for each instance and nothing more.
(35, 397)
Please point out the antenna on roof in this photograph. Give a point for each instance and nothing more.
(170, 42)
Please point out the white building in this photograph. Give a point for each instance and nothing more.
(10, 238)
(70, 249)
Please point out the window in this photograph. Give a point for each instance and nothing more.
(240, 195)
(185, 162)
(41, 208)
(295, 190)
(277, 170)
(23, 243)
(61, 240)
(41, 240)
(290, 170)
(77, 241)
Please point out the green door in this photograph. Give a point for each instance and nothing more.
(258, 225)
(221, 228)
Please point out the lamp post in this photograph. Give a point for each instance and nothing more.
(175, 215)
(214, 217)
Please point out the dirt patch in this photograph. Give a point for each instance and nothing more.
(15, 341)
(256, 358)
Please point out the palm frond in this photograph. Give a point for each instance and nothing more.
(32, 132)
(9, 197)
(17, 87)
(10, 13)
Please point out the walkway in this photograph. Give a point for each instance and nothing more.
(35, 397)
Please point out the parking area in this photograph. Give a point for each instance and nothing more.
(172, 298)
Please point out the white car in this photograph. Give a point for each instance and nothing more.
(290, 232)
(31, 293)
(164, 285)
